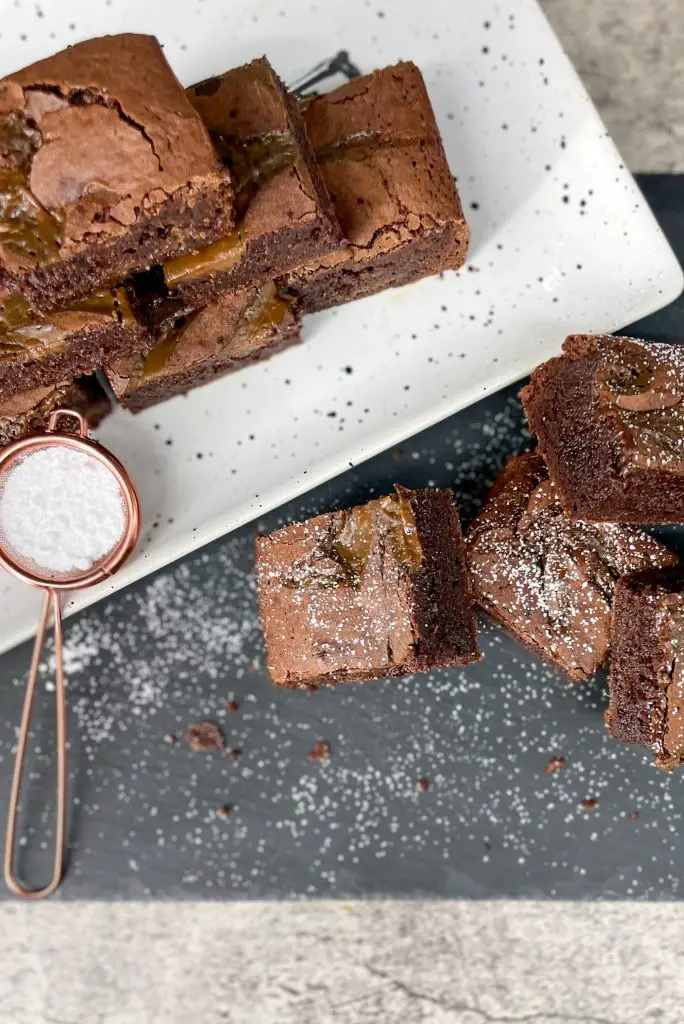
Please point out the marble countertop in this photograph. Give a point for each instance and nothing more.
(380, 963)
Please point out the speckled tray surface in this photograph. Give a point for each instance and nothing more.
(561, 241)
(171, 650)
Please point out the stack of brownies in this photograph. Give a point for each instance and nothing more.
(555, 555)
(163, 237)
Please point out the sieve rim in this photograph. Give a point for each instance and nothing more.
(107, 566)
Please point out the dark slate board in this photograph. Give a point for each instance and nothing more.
(172, 649)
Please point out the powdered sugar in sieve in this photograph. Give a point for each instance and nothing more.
(61, 511)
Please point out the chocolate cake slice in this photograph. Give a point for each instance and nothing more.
(609, 418)
(233, 331)
(382, 159)
(283, 213)
(548, 579)
(647, 666)
(377, 590)
(105, 168)
(39, 351)
(28, 413)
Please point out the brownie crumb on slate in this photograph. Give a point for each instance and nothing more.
(374, 591)
(204, 736)
(555, 764)
(609, 418)
(320, 751)
(225, 811)
(547, 578)
(423, 784)
(590, 803)
(232, 705)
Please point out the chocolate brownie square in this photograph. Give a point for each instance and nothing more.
(40, 350)
(549, 580)
(105, 167)
(233, 331)
(283, 213)
(647, 667)
(381, 156)
(609, 418)
(28, 413)
(378, 590)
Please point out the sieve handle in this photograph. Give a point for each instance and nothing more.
(51, 605)
(69, 414)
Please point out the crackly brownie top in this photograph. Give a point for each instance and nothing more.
(251, 125)
(334, 591)
(87, 137)
(381, 156)
(641, 385)
(232, 326)
(548, 578)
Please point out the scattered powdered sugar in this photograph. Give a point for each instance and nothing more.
(172, 649)
(61, 510)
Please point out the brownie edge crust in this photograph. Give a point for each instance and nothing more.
(647, 670)
(374, 591)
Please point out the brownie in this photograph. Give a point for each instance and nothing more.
(548, 579)
(105, 167)
(28, 413)
(609, 418)
(283, 214)
(647, 670)
(382, 160)
(40, 350)
(377, 590)
(233, 331)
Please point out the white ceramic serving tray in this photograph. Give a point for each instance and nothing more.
(562, 241)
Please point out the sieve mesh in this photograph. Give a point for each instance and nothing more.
(62, 512)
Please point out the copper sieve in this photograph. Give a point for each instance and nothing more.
(55, 581)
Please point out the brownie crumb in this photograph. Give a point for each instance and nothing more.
(488, 846)
(589, 803)
(320, 751)
(556, 764)
(204, 736)
(225, 811)
(634, 815)
(234, 753)
(232, 705)
(171, 739)
(423, 784)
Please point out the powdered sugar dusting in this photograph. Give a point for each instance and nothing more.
(61, 510)
(172, 650)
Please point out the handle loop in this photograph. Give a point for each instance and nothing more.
(51, 604)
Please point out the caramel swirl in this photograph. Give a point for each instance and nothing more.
(252, 164)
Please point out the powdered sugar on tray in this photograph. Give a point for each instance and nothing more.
(61, 510)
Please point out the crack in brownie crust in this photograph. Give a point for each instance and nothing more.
(382, 160)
